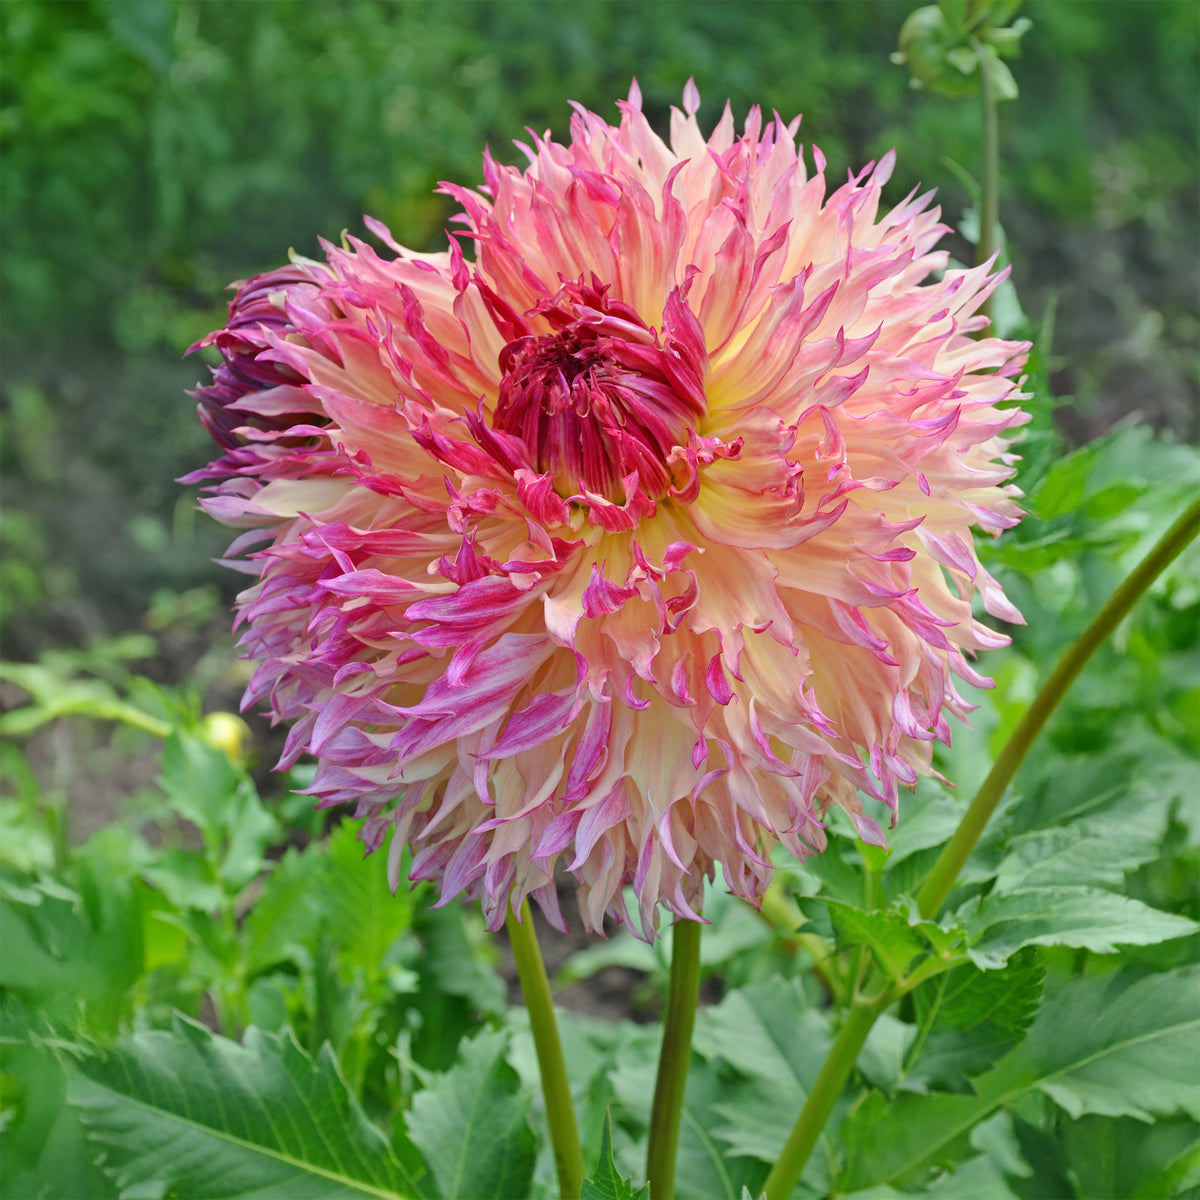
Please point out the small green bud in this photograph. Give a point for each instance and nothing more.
(943, 44)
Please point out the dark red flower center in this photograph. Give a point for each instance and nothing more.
(602, 396)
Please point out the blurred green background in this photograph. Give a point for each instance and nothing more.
(154, 150)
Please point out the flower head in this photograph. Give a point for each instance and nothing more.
(632, 532)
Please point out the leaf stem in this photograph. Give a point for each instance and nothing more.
(667, 1109)
(825, 1091)
(863, 1013)
(560, 1110)
(945, 870)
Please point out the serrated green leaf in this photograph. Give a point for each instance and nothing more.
(1006, 999)
(1099, 849)
(198, 1115)
(283, 915)
(357, 902)
(45, 1150)
(1123, 1157)
(972, 1017)
(929, 818)
(74, 954)
(606, 1182)
(705, 1166)
(472, 1128)
(1104, 1046)
(204, 787)
(886, 931)
(839, 879)
(1081, 917)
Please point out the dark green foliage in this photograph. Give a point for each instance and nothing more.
(210, 1118)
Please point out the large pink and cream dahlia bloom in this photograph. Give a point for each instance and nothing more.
(631, 533)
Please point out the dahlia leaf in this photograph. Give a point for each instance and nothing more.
(190, 1113)
(1124, 1157)
(1109, 1046)
(1006, 999)
(606, 1182)
(1105, 1046)
(763, 1047)
(885, 931)
(1081, 917)
(357, 902)
(930, 817)
(204, 787)
(840, 879)
(75, 954)
(284, 913)
(1099, 849)
(971, 1017)
(45, 1150)
(472, 1125)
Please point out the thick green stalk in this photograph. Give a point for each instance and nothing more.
(667, 1109)
(560, 1111)
(824, 1095)
(863, 1013)
(989, 205)
(957, 850)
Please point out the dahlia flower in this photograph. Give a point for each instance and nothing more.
(631, 533)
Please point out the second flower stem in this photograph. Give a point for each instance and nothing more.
(556, 1088)
(667, 1110)
(937, 886)
(782, 1180)
(957, 850)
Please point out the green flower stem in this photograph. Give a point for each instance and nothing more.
(560, 1111)
(667, 1109)
(824, 1095)
(989, 205)
(863, 1013)
(958, 849)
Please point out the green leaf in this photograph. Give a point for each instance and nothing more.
(705, 1166)
(839, 878)
(1098, 849)
(1083, 917)
(204, 787)
(45, 1150)
(971, 1017)
(472, 1128)
(1104, 1046)
(194, 1114)
(895, 935)
(456, 986)
(357, 902)
(1124, 1157)
(75, 954)
(283, 915)
(1111, 1047)
(606, 1182)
